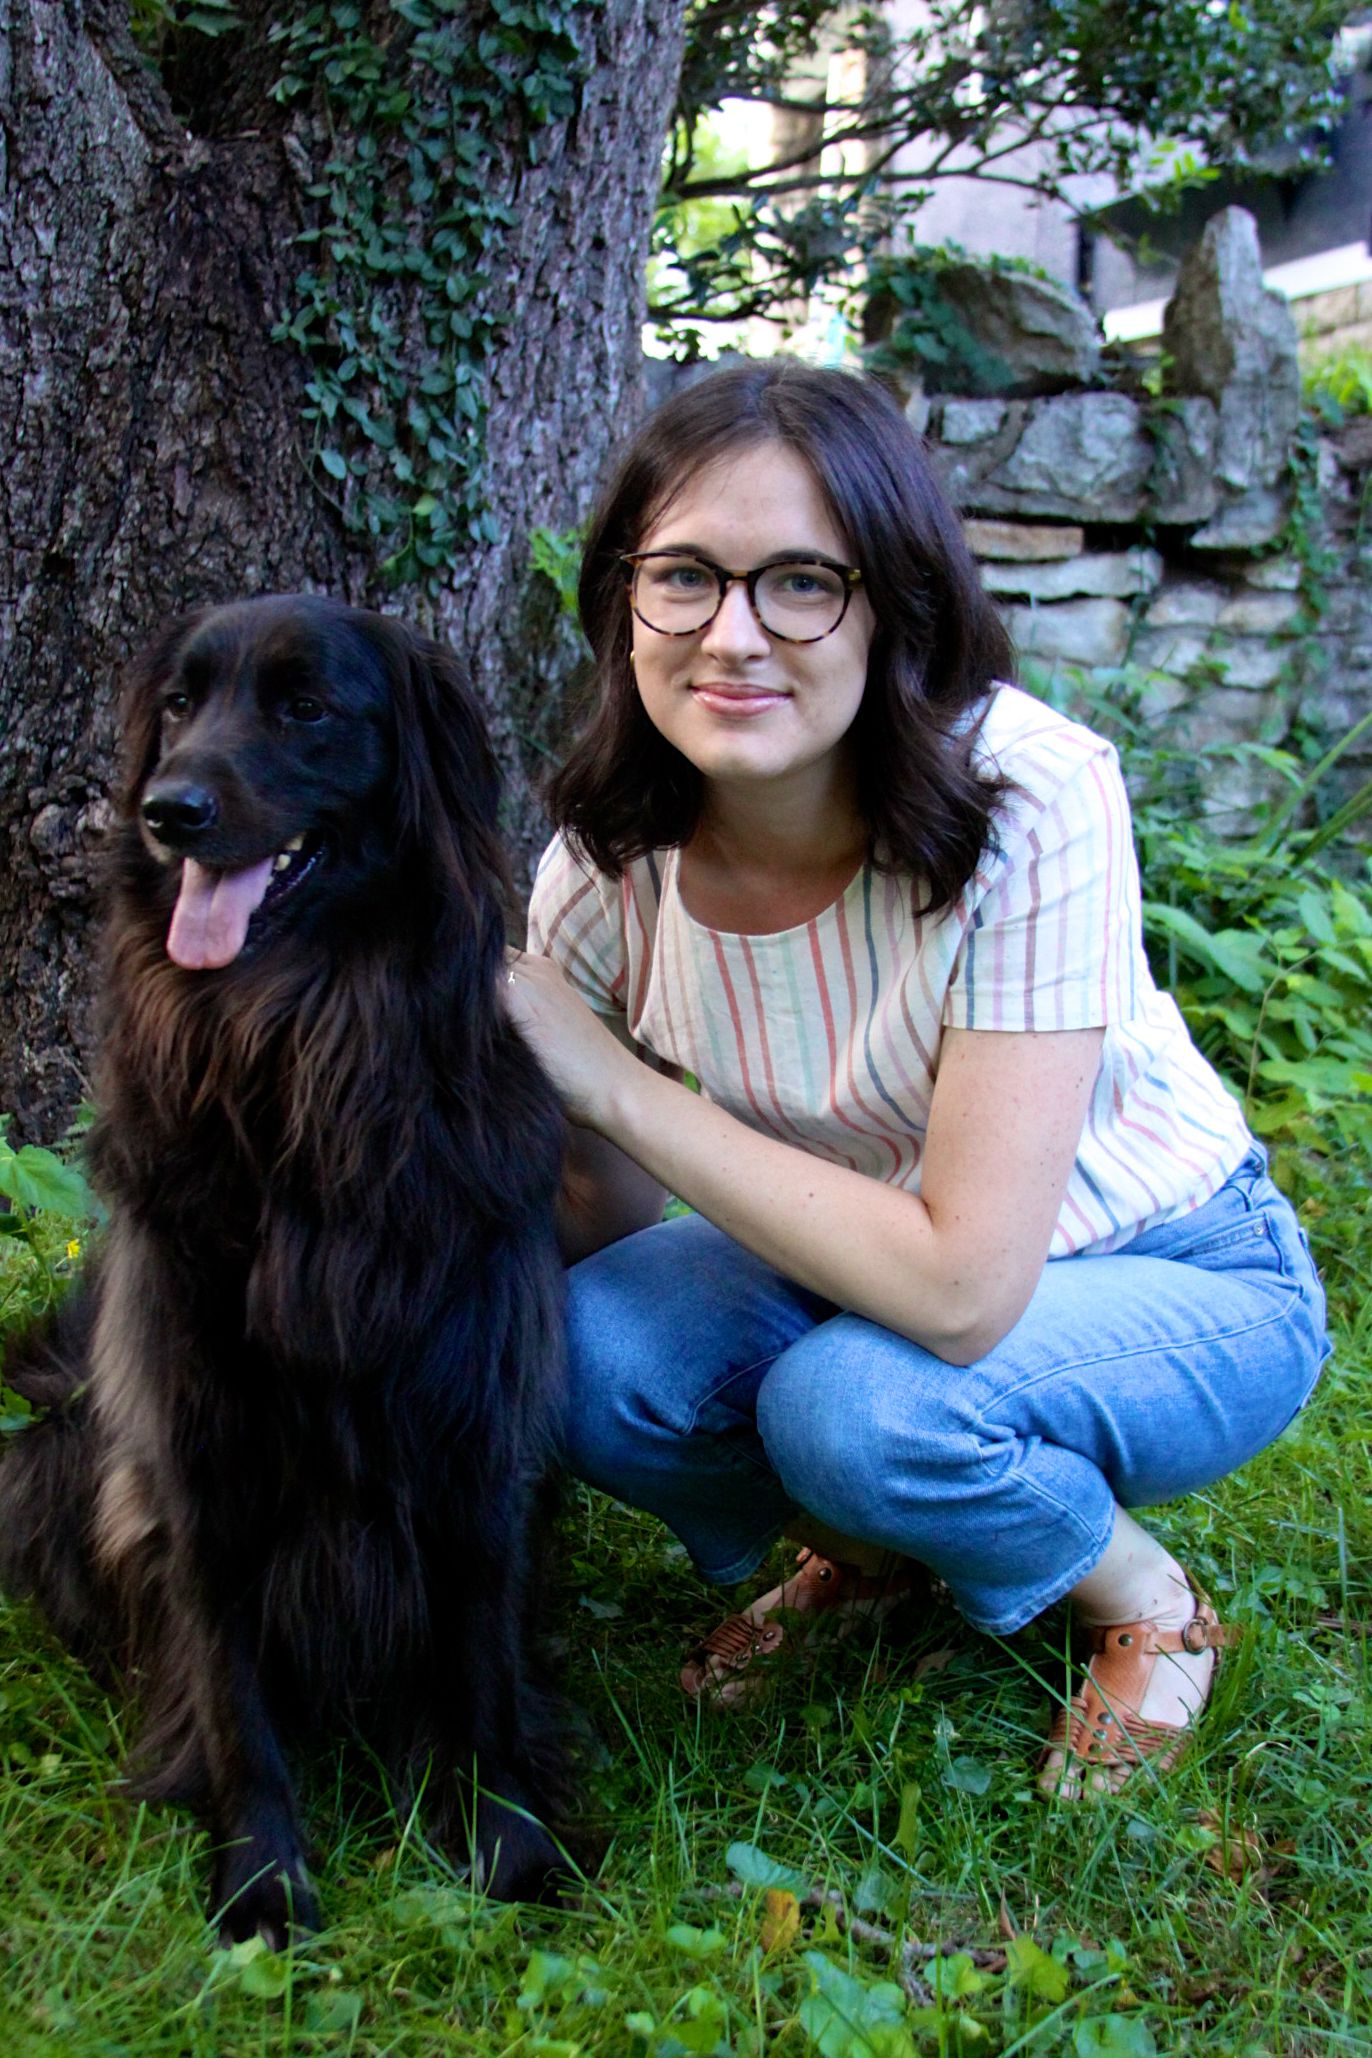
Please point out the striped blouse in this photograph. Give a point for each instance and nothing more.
(826, 1036)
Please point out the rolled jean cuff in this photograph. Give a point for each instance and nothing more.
(738, 1569)
(1044, 1597)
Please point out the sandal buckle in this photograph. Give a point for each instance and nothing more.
(1195, 1636)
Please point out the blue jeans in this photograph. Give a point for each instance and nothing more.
(723, 1398)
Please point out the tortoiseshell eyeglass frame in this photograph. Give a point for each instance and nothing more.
(851, 576)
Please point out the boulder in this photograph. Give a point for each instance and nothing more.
(1179, 651)
(1159, 694)
(1262, 614)
(1278, 574)
(1182, 486)
(1033, 335)
(971, 421)
(968, 439)
(1251, 663)
(1084, 457)
(1186, 604)
(1103, 574)
(1024, 542)
(1224, 714)
(1227, 337)
(1247, 521)
(1081, 632)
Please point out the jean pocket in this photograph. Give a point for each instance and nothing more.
(1226, 1239)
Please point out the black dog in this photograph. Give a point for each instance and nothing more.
(300, 1412)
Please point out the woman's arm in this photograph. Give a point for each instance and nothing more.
(952, 1267)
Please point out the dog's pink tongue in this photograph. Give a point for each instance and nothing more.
(210, 920)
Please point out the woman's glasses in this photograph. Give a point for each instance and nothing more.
(798, 598)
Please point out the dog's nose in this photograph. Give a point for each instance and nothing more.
(178, 811)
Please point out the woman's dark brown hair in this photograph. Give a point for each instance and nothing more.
(938, 646)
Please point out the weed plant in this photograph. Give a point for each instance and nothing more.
(856, 1865)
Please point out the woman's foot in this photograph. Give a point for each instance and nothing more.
(1144, 1689)
(718, 1667)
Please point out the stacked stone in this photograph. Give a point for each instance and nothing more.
(1117, 527)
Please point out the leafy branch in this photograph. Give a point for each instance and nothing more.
(1153, 98)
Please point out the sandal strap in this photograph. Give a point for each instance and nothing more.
(735, 1638)
(1098, 1726)
(832, 1580)
(1144, 1639)
(827, 1584)
(1091, 1732)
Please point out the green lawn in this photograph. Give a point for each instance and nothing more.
(859, 1866)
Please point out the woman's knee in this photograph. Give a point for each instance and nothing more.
(858, 1421)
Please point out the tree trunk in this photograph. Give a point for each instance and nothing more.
(152, 452)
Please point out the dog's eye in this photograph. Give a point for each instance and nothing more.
(176, 706)
(304, 708)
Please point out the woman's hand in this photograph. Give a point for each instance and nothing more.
(580, 1055)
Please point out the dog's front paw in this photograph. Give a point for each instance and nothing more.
(259, 1892)
(515, 1859)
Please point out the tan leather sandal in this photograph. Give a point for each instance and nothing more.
(1099, 1735)
(715, 1668)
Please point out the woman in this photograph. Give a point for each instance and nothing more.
(983, 1253)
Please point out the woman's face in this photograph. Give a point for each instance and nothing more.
(742, 705)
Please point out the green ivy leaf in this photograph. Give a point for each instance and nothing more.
(1113, 2036)
(848, 2017)
(546, 1977)
(696, 1943)
(705, 2023)
(753, 1868)
(36, 1178)
(15, 1412)
(1030, 1966)
(967, 1776)
(263, 1973)
(336, 2009)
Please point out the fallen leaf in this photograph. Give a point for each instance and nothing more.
(780, 1923)
(933, 1661)
(1236, 1852)
(1005, 1922)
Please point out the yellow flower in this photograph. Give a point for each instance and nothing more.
(73, 1250)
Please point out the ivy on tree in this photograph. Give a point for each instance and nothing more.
(411, 119)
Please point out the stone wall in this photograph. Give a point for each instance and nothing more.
(1336, 320)
(1195, 546)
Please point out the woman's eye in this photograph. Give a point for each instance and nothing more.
(305, 708)
(684, 578)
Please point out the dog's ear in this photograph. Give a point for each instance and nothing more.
(144, 682)
(447, 789)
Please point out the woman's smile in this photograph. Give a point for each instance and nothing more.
(735, 700)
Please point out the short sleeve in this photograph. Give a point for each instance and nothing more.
(576, 919)
(1055, 938)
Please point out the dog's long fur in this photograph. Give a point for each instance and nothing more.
(302, 1405)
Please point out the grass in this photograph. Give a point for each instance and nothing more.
(857, 1867)
(879, 1804)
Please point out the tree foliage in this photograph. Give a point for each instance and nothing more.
(1152, 97)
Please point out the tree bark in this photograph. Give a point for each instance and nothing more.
(152, 454)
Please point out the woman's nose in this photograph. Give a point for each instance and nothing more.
(736, 629)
